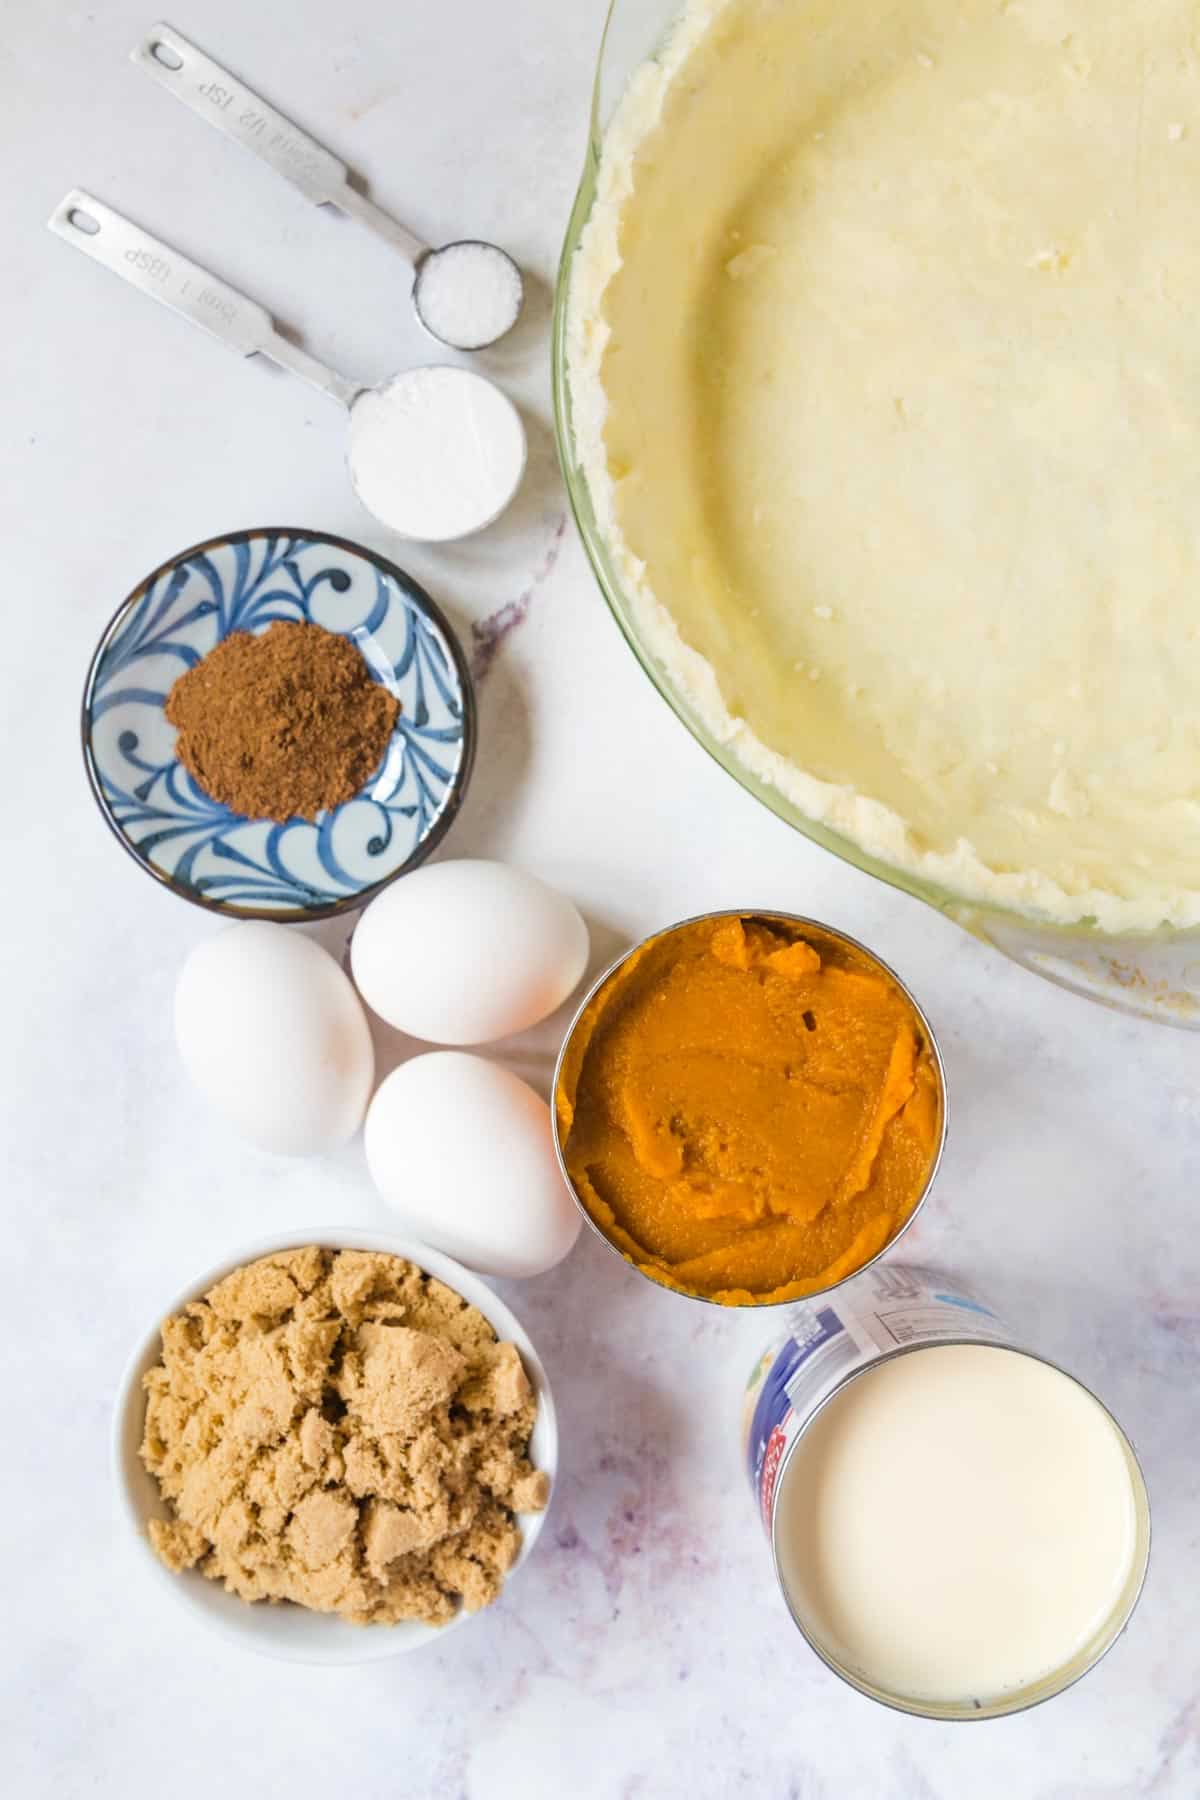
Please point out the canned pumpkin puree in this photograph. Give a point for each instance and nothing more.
(749, 1107)
(959, 1528)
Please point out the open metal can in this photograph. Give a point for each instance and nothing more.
(891, 1311)
(562, 1091)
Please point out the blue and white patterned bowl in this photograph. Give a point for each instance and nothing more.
(251, 868)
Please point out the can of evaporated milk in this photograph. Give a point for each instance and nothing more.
(960, 1529)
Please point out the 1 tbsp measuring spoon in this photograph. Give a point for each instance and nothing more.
(435, 453)
(467, 294)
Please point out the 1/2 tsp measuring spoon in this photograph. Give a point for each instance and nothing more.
(468, 294)
(435, 453)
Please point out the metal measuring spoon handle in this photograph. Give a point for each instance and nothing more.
(252, 122)
(175, 281)
(494, 284)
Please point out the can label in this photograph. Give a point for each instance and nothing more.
(887, 1308)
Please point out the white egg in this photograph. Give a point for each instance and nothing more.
(463, 1151)
(273, 1034)
(467, 952)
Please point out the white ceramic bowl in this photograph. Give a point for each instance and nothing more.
(291, 1633)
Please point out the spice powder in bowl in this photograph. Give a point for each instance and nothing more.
(288, 724)
(749, 1108)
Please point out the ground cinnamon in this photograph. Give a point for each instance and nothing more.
(284, 725)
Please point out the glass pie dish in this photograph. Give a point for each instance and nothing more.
(1151, 974)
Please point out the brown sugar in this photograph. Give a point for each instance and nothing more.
(338, 1429)
(749, 1110)
(283, 725)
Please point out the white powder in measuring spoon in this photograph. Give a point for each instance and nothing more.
(436, 453)
(468, 294)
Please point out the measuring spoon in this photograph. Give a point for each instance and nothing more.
(435, 453)
(468, 294)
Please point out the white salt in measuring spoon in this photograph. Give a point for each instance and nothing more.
(435, 453)
(467, 294)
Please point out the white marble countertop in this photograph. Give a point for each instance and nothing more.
(644, 1651)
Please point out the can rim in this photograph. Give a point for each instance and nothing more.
(947, 1713)
(843, 937)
